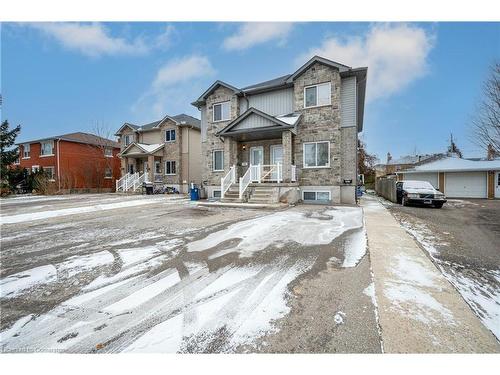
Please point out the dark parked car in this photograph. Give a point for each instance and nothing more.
(419, 192)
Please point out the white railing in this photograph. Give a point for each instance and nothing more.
(271, 172)
(294, 174)
(245, 181)
(137, 183)
(120, 183)
(227, 180)
(255, 173)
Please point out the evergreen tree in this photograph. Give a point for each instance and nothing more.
(8, 154)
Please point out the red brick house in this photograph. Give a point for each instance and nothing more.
(74, 162)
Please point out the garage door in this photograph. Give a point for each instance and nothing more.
(465, 184)
(432, 178)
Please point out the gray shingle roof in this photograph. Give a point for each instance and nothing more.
(280, 81)
(182, 119)
(80, 137)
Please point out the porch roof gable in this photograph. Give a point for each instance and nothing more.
(270, 123)
(141, 148)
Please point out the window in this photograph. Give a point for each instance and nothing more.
(218, 160)
(108, 152)
(17, 160)
(317, 95)
(221, 111)
(316, 196)
(47, 148)
(317, 154)
(35, 168)
(157, 167)
(170, 135)
(108, 172)
(49, 172)
(216, 194)
(170, 167)
(126, 140)
(26, 151)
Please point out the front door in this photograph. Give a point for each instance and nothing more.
(256, 158)
(145, 170)
(131, 168)
(497, 185)
(277, 158)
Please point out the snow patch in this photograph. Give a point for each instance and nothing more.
(354, 248)
(16, 284)
(339, 317)
(83, 263)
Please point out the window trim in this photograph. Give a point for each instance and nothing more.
(53, 172)
(110, 177)
(213, 160)
(157, 162)
(175, 167)
(318, 105)
(125, 137)
(304, 155)
(108, 148)
(213, 111)
(24, 151)
(41, 149)
(170, 131)
(213, 194)
(37, 167)
(316, 195)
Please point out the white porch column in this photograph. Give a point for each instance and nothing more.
(287, 155)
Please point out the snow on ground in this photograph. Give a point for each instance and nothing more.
(81, 263)
(13, 219)
(355, 248)
(19, 283)
(482, 295)
(281, 227)
(339, 317)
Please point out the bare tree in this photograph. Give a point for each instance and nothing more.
(486, 122)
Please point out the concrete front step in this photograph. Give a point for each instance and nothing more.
(231, 200)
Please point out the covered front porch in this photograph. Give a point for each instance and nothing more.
(144, 160)
(258, 149)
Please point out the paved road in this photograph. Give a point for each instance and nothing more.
(109, 273)
(463, 240)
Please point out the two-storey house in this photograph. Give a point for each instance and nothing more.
(166, 152)
(293, 138)
(74, 161)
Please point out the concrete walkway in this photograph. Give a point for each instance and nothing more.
(419, 310)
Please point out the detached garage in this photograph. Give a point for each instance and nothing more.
(459, 178)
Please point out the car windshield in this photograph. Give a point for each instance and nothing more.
(418, 185)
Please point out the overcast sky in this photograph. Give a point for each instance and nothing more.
(424, 80)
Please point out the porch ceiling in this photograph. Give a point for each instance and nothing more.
(256, 134)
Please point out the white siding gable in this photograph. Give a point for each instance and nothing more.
(274, 103)
(254, 121)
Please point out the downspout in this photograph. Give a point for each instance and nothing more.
(58, 166)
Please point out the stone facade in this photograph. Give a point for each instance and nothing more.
(320, 123)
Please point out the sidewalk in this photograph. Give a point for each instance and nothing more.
(419, 310)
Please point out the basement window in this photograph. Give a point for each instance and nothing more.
(316, 196)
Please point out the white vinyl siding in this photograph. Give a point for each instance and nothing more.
(274, 103)
(348, 102)
(47, 148)
(218, 160)
(222, 111)
(170, 135)
(318, 95)
(316, 196)
(316, 154)
(170, 168)
(26, 151)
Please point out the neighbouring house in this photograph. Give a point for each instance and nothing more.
(459, 178)
(74, 162)
(292, 138)
(393, 166)
(166, 153)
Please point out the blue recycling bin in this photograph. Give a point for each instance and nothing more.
(195, 194)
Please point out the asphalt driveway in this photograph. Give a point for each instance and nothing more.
(111, 273)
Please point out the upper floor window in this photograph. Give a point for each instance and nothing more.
(318, 95)
(108, 152)
(316, 154)
(26, 151)
(222, 111)
(47, 148)
(126, 140)
(170, 135)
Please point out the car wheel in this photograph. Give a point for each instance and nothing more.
(438, 205)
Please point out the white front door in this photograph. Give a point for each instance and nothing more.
(145, 170)
(256, 158)
(276, 158)
(497, 185)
